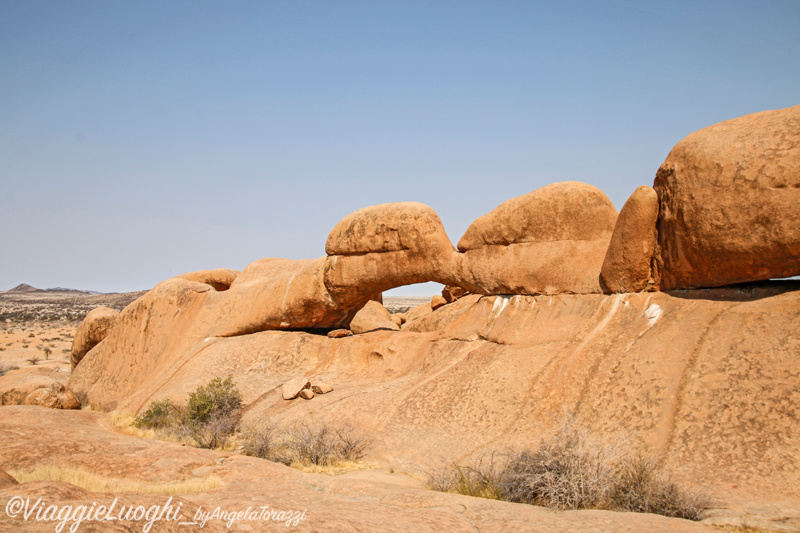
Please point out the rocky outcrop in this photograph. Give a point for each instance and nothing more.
(32, 389)
(451, 293)
(684, 372)
(371, 317)
(54, 396)
(628, 263)
(91, 331)
(728, 197)
(550, 241)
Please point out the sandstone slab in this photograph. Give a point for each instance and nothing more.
(291, 389)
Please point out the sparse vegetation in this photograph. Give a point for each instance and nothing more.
(569, 470)
(309, 446)
(34, 359)
(47, 353)
(96, 482)
(212, 416)
(5, 368)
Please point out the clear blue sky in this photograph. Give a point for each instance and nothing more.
(140, 139)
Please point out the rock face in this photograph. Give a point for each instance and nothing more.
(729, 197)
(371, 317)
(707, 378)
(94, 328)
(550, 241)
(628, 263)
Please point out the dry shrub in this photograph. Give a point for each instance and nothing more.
(6, 368)
(643, 486)
(259, 440)
(567, 471)
(305, 443)
(570, 470)
(484, 479)
(350, 445)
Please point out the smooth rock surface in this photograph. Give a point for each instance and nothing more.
(356, 502)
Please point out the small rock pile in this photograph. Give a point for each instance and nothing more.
(304, 388)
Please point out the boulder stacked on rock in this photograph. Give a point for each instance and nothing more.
(728, 203)
(627, 266)
(385, 246)
(219, 278)
(93, 329)
(373, 316)
(550, 241)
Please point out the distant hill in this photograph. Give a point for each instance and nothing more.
(24, 287)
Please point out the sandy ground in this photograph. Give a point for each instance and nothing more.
(37, 326)
(43, 345)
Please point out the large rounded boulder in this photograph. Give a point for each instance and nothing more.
(728, 203)
(385, 246)
(550, 241)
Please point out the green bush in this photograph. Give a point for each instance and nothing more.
(219, 398)
(161, 414)
(211, 415)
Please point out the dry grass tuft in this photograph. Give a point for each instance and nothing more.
(340, 467)
(95, 482)
(6, 368)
